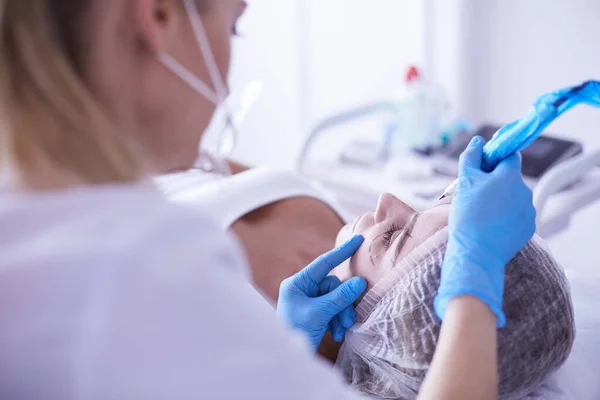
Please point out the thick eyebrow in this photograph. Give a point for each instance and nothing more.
(406, 231)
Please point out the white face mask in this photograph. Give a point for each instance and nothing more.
(228, 136)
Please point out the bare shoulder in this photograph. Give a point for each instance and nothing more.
(284, 237)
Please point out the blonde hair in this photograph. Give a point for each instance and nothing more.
(56, 133)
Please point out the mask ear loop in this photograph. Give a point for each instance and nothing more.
(205, 48)
(207, 162)
(226, 143)
(184, 74)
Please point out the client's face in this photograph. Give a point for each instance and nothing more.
(391, 232)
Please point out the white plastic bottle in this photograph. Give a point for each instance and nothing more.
(421, 105)
(420, 108)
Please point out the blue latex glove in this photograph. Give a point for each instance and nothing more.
(314, 303)
(491, 220)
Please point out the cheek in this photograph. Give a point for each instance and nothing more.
(362, 265)
(223, 59)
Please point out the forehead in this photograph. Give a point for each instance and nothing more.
(430, 221)
(441, 211)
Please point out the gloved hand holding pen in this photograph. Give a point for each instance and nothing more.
(314, 303)
(491, 219)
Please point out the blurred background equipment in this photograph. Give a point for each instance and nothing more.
(339, 67)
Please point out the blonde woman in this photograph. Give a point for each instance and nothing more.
(107, 292)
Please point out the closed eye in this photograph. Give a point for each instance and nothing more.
(383, 242)
(389, 235)
(394, 233)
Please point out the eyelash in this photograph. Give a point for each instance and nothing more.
(389, 234)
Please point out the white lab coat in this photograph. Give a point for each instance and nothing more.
(113, 294)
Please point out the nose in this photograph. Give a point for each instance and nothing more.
(386, 205)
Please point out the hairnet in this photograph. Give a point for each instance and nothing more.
(388, 352)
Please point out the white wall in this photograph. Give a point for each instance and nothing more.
(268, 49)
(357, 51)
(534, 46)
(316, 57)
(450, 38)
(523, 48)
